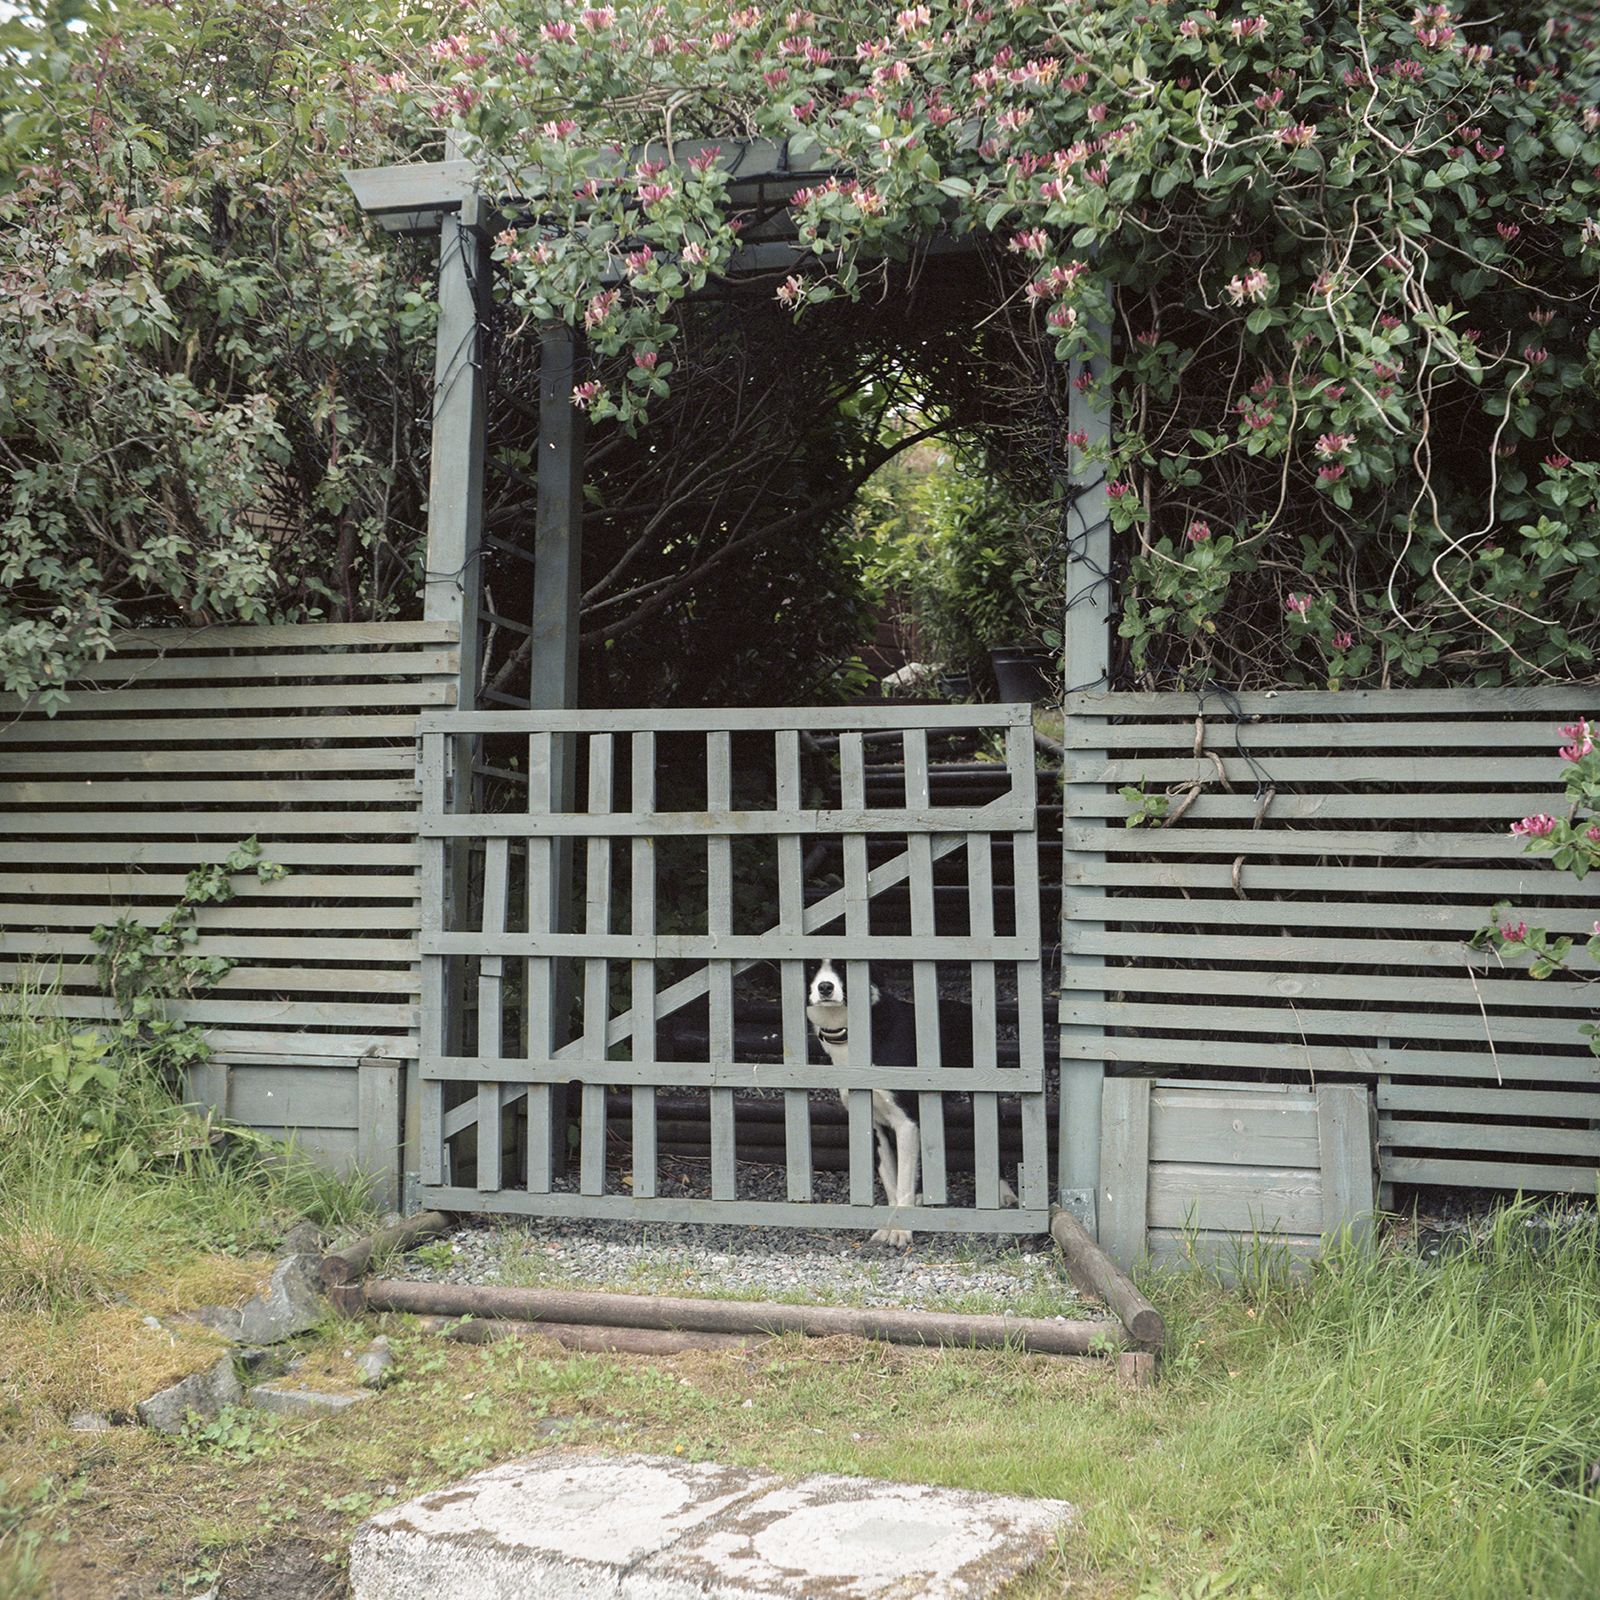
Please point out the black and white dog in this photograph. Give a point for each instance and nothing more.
(894, 1044)
(894, 1114)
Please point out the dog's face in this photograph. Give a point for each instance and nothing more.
(827, 991)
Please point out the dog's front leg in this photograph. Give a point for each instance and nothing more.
(891, 1168)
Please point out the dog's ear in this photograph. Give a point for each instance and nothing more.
(875, 995)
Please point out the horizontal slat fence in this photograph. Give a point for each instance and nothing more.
(165, 756)
(1303, 914)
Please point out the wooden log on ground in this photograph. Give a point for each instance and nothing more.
(585, 1336)
(1099, 1337)
(348, 1262)
(1094, 1272)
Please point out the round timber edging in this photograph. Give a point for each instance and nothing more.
(671, 1313)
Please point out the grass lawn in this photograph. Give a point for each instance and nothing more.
(1380, 1427)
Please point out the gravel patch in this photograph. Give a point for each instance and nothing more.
(941, 1272)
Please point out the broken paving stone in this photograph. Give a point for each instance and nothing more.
(291, 1303)
(292, 1401)
(202, 1393)
(565, 1525)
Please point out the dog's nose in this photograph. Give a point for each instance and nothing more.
(826, 989)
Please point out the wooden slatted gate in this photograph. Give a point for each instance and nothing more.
(1301, 911)
(683, 887)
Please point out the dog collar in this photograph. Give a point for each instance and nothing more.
(833, 1035)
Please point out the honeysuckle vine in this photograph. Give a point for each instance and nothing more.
(1573, 844)
(1348, 255)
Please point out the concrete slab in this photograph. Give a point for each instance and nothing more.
(567, 1526)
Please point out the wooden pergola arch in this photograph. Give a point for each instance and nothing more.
(449, 199)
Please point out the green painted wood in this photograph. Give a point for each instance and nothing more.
(1214, 807)
(1348, 1158)
(222, 757)
(751, 1213)
(120, 886)
(235, 825)
(1304, 985)
(1500, 1137)
(1259, 1200)
(1123, 1208)
(358, 853)
(100, 703)
(491, 1011)
(1245, 841)
(378, 1099)
(423, 1108)
(1319, 914)
(294, 1096)
(642, 974)
(985, 1019)
(400, 1016)
(1271, 734)
(236, 947)
(1287, 949)
(750, 947)
(1379, 766)
(596, 969)
(1295, 1061)
(347, 981)
(281, 791)
(329, 722)
(792, 975)
(858, 1102)
(558, 528)
(546, 906)
(291, 635)
(235, 914)
(851, 821)
(1557, 700)
(1229, 1255)
(1295, 1021)
(1497, 1102)
(719, 925)
(125, 670)
(1218, 1128)
(1530, 876)
(924, 974)
(1535, 1177)
(766, 719)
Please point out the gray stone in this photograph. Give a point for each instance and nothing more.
(305, 1238)
(202, 1394)
(566, 1526)
(375, 1364)
(90, 1422)
(291, 1303)
(291, 1401)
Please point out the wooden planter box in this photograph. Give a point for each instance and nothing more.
(1198, 1171)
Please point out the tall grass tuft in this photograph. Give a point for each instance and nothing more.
(104, 1174)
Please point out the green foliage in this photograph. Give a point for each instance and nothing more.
(1146, 809)
(947, 549)
(143, 968)
(209, 379)
(1351, 253)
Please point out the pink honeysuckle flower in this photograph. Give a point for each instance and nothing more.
(1061, 318)
(706, 159)
(791, 291)
(653, 193)
(585, 394)
(640, 260)
(1557, 462)
(1534, 356)
(694, 254)
(1242, 28)
(1031, 241)
(1513, 932)
(1198, 532)
(597, 19)
(1535, 827)
(1298, 135)
(1330, 474)
(1582, 736)
(1251, 285)
(1334, 444)
(1343, 641)
(646, 360)
(1299, 604)
(1118, 490)
(599, 308)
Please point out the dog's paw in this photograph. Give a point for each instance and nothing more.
(892, 1238)
(1008, 1195)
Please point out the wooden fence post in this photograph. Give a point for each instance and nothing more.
(1087, 631)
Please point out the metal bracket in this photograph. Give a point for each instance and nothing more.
(1080, 1202)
